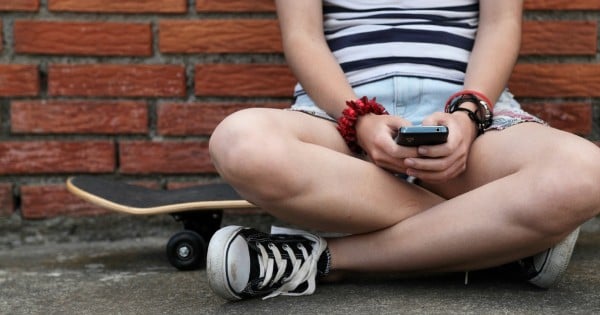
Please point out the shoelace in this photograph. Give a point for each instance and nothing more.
(303, 270)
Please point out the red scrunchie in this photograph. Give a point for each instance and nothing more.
(347, 122)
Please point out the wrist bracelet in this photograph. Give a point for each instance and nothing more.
(482, 117)
(478, 95)
(347, 122)
(474, 118)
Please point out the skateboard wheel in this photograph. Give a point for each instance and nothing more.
(186, 250)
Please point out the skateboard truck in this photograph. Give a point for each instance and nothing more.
(186, 250)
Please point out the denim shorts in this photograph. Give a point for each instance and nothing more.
(416, 98)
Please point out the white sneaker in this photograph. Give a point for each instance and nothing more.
(245, 263)
(546, 268)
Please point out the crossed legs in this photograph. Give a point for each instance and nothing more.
(525, 189)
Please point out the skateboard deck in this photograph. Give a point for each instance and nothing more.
(122, 197)
(199, 208)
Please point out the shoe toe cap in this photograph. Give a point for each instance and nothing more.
(238, 264)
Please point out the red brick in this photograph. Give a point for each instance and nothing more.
(119, 6)
(230, 36)
(220, 36)
(178, 119)
(7, 205)
(47, 201)
(185, 157)
(559, 38)
(19, 5)
(97, 117)
(573, 117)
(244, 80)
(52, 157)
(235, 6)
(562, 4)
(83, 38)
(116, 80)
(19, 80)
(556, 80)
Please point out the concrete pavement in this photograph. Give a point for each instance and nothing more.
(132, 276)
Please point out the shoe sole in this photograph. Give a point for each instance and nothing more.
(216, 262)
(556, 262)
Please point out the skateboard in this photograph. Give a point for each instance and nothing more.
(198, 208)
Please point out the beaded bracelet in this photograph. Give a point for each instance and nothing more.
(482, 117)
(347, 122)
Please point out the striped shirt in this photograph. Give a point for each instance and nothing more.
(376, 39)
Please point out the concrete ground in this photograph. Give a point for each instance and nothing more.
(132, 276)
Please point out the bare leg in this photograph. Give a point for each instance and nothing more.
(298, 168)
(519, 195)
(532, 191)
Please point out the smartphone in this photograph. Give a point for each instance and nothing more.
(422, 135)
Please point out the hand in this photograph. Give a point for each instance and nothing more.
(375, 135)
(440, 163)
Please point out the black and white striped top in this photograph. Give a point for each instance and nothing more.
(374, 39)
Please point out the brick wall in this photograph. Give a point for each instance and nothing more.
(133, 88)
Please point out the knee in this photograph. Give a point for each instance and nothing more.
(248, 150)
(568, 184)
(588, 178)
(579, 178)
(235, 144)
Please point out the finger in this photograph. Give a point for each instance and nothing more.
(429, 164)
(437, 177)
(435, 151)
(396, 168)
(391, 162)
(435, 119)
